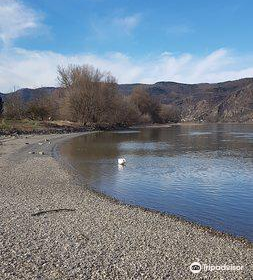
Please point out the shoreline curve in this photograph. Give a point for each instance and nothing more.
(81, 180)
(101, 238)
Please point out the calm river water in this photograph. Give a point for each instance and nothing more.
(201, 172)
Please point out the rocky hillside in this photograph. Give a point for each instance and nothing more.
(230, 101)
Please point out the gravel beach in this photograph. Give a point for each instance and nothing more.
(89, 236)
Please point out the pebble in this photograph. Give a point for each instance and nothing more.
(102, 239)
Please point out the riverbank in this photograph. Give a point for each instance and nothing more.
(31, 127)
(90, 236)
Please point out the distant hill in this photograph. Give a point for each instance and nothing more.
(230, 101)
(27, 94)
(171, 92)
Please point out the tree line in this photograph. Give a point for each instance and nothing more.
(90, 97)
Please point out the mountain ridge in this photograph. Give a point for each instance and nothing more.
(211, 102)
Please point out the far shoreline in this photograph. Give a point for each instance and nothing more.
(81, 129)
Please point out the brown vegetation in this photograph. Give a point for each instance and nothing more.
(14, 107)
(91, 98)
(1, 106)
(169, 113)
(148, 106)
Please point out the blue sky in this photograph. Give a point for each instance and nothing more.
(138, 41)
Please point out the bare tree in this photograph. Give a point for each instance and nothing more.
(169, 113)
(14, 107)
(41, 108)
(141, 99)
(126, 113)
(148, 106)
(90, 96)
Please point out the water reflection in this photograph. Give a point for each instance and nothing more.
(204, 173)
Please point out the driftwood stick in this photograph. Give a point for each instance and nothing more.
(50, 211)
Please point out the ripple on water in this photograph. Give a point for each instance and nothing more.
(204, 179)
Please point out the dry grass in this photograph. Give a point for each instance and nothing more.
(20, 124)
(26, 125)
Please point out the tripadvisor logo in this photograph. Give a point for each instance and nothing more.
(195, 267)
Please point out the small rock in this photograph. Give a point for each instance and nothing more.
(41, 153)
(40, 143)
(27, 143)
(46, 140)
(31, 153)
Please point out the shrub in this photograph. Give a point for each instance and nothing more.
(14, 107)
(91, 97)
(169, 113)
(41, 108)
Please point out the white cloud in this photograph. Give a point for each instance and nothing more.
(16, 20)
(114, 27)
(23, 68)
(128, 23)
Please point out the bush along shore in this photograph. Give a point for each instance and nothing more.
(86, 99)
(26, 127)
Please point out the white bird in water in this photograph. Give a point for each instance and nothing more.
(121, 161)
